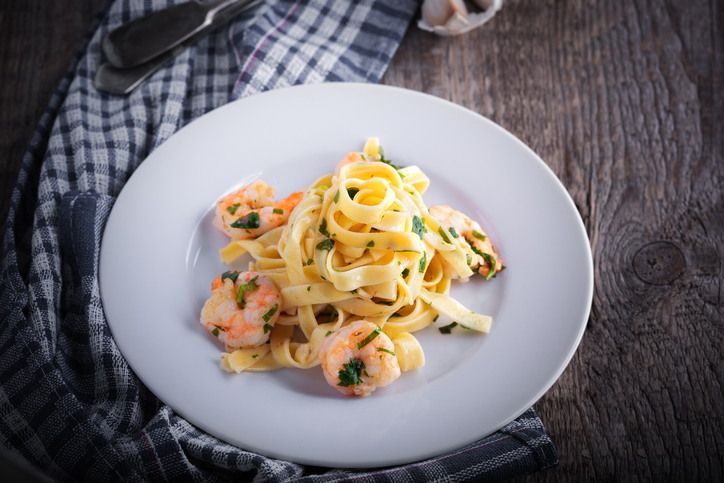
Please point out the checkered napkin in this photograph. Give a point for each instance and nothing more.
(69, 403)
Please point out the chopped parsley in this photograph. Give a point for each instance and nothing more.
(231, 275)
(336, 196)
(418, 226)
(490, 260)
(323, 228)
(269, 315)
(216, 330)
(248, 221)
(325, 244)
(332, 314)
(350, 375)
(436, 317)
(255, 356)
(232, 209)
(352, 191)
(453, 232)
(310, 261)
(448, 328)
(369, 338)
(382, 349)
(245, 287)
(423, 262)
(309, 288)
(405, 273)
(278, 211)
(267, 328)
(444, 236)
(371, 244)
(478, 235)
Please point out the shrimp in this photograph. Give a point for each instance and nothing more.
(358, 358)
(242, 309)
(252, 211)
(484, 259)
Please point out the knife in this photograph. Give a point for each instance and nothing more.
(147, 37)
(114, 80)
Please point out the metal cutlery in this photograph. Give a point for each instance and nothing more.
(139, 48)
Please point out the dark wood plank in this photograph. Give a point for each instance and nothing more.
(624, 101)
(37, 41)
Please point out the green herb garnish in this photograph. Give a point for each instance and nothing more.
(278, 211)
(448, 328)
(418, 226)
(369, 338)
(245, 287)
(478, 235)
(444, 236)
(325, 244)
(371, 244)
(436, 317)
(216, 330)
(405, 273)
(329, 332)
(423, 262)
(490, 260)
(248, 221)
(323, 228)
(336, 196)
(453, 232)
(352, 191)
(269, 315)
(350, 375)
(232, 209)
(231, 275)
(382, 349)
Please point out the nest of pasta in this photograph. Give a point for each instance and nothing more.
(362, 245)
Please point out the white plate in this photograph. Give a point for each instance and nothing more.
(160, 254)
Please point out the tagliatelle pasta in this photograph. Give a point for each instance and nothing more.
(360, 245)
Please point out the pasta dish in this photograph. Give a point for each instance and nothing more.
(344, 273)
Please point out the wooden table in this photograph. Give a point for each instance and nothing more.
(624, 99)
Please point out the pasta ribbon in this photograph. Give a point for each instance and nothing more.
(408, 351)
(359, 245)
(242, 359)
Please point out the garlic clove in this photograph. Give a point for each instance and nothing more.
(456, 21)
(438, 12)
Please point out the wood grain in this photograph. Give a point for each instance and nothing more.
(37, 42)
(624, 99)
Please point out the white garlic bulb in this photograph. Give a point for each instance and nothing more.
(438, 12)
(451, 17)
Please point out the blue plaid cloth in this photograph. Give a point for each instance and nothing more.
(69, 403)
